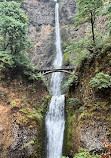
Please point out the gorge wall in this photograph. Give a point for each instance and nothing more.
(88, 122)
(22, 109)
(42, 27)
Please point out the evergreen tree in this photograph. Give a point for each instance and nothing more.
(14, 43)
(107, 12)
(87, 10)
(13, 27)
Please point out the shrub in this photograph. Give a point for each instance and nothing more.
(71, 80)
(76, 52)
(75, 102)
(31, 114)
(14, 43)
(6, 60)
(100, 81)
(23, 63)
(85, 154)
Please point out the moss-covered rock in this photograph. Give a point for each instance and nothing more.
(22, 129)
(89, 123)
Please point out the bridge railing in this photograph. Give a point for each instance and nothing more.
(57, 68)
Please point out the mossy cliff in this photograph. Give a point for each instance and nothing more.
(88, 110)
(23, 105)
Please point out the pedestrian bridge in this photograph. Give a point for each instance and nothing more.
(46, 71)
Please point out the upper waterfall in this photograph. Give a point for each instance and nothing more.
(58, 58)
(57, 77)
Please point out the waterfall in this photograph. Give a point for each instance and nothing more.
(55, 121)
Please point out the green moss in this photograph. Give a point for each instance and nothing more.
(64, 45)
(85, 154)
(71, 145)
(85, 115)
(39, 142)
(66, 58)
(30, 143)
(24, 111)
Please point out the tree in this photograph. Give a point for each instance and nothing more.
(107, 12)
(87, 10)
(13, 27)
(14, 43)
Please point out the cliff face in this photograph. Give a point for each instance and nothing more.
(22, 110)
(89, 122)
(42, 27)
(41, 31)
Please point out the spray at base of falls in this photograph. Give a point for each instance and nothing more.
(55, 121)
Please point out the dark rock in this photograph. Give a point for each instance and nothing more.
(21, 147)
(67, 11)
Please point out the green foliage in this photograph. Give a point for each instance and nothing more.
(14, 43)
(78, 51)
(24, 111)
(107, 12)
(13, 104)
(74, 100)
(100, 81)
(29, 143)
(64, 45)
(45, 101)
(85, 115)
(41, 76)
(88, 10)
(84, 8)
(85, 154)
(33, 114)
(32, 142)
(65, 157)
(67, 57)
(69, 83)
(74, 105)
(13, 24)
(24, 64)
(71, 80)
(6, 60)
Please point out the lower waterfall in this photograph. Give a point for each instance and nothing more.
(55, 120)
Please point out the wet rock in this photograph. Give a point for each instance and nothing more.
(67, 11)
(92, 134)
(21, 146)
(39, 12)
(42, 26)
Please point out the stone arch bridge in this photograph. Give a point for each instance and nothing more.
(48, 70)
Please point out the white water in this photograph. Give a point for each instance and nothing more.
(55, 121)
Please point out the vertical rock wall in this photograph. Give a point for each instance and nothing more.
(42, 27)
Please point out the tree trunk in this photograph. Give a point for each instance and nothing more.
(92, 24)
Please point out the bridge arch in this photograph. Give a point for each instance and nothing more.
(52, 71)
(46, 71)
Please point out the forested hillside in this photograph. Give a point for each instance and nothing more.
(27, 44)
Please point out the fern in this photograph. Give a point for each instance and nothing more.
(100, 81)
